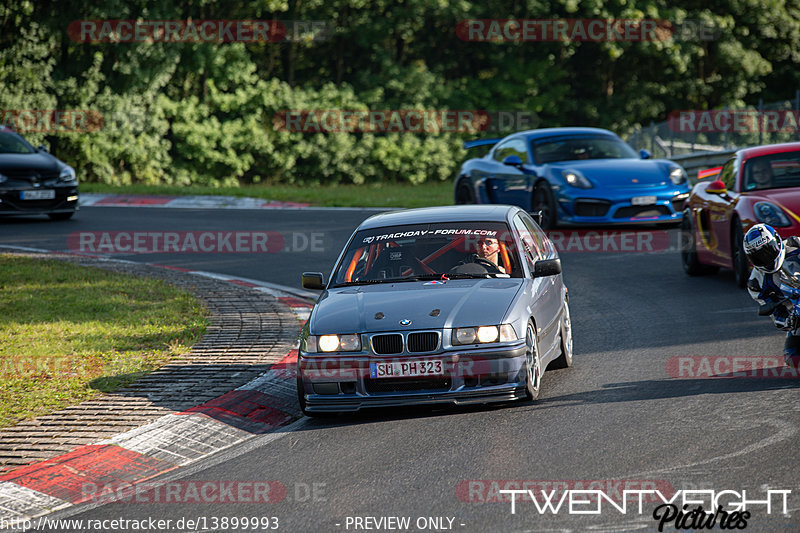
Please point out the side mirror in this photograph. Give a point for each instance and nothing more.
(547, 267)
(537, 216)
(512, 161)
(644, 154)
(716, 187)
(41, 148)
(313, 281)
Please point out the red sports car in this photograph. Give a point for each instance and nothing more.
(757, 185)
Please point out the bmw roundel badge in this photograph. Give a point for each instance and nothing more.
(405, 322)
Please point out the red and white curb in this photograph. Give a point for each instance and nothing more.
(172, 441)
(187, 202)
(203, 202)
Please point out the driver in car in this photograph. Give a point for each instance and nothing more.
(760, 175)
(489, 248)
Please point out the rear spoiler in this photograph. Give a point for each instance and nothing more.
(708, 173)
(481, 142)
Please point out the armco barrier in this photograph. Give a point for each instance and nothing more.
(701, 160)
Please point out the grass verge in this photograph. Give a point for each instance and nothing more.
(376, 195)
(68, 333)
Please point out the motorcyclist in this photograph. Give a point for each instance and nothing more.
(769, 256)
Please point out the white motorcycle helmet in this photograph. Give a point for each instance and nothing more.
(764, 248)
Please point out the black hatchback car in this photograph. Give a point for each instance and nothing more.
(32, 181)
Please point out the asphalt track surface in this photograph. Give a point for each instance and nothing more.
(617, 415)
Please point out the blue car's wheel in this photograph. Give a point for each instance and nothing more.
(464, 194)
(533, 364)
(543, 201)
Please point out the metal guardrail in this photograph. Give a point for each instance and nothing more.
(669, 139)
(701, 160)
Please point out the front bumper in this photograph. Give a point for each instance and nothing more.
(65, 201)
(471, 375)
(617, 207)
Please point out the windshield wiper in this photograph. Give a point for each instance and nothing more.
(362, 282)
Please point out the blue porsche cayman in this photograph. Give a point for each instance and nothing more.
(575, 176)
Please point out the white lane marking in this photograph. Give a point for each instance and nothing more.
(785, 431)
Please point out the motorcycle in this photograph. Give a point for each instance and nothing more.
(790, 287)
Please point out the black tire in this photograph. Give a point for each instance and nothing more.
(691, 264)
(464, 194)
(60, 216)
(533, 365)
(741, 265)
(565, 359)
(543, 201)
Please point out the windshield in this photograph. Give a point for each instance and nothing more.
(577, 147)
(429, 251)
(11, 143)
(776, 171)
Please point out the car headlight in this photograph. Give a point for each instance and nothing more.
(3, 178)
(67, 174)
(771, 214)
(484, 334)
(333, 343)
(678, 175)
(576, 179)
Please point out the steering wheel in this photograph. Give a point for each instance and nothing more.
(486, 263)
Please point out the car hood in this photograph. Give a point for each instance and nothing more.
(39, 161)
(468, 302)
(788, 199)
(620, 173)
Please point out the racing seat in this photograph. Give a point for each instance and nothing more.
(392, 262)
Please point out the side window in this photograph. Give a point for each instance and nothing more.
(512, 147)
(727, 175)
(528, 243)
(540, 250)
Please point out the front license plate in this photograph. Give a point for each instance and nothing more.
(42, 194)
(643, 200)
(406, 369)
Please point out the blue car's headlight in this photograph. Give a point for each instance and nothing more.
(67, 174)
(576, 179)
(678, 175)
(333, 343)
(771, 214)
